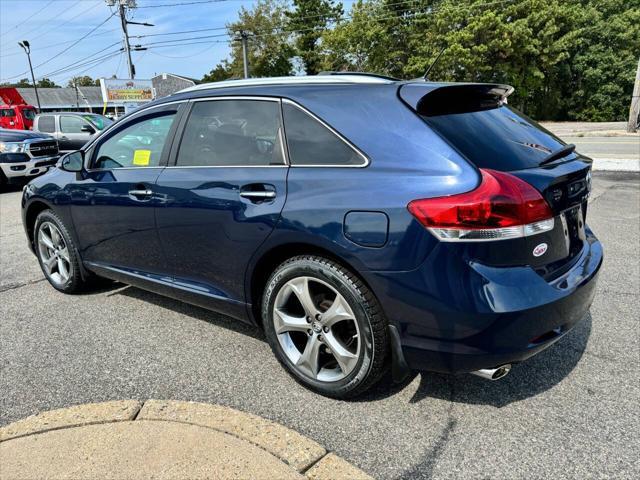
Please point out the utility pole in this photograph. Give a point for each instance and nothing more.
(127, 47)
(27, 49)
(245, 58)
(122, 10)
(634, 109)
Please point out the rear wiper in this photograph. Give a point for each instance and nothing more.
(561, 152)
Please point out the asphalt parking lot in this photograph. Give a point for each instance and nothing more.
(570, 412)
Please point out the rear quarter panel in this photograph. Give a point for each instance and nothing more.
(406, 161)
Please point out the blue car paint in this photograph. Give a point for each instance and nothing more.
(452, 313)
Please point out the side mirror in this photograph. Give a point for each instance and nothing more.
(88, 128)
(72, 162)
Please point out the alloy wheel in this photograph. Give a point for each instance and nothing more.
(54, 253)
(317, 329)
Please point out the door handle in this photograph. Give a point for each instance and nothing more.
(141, 193)
(259, 195)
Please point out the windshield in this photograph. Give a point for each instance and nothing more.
(500, 138)
(29, 113)
(98, 121)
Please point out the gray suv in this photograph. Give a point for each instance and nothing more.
(71, 129)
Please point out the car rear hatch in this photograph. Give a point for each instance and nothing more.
(476, 120)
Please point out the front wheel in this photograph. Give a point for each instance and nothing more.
(57, 253)
(325, 326)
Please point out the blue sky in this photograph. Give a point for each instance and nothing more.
(52, 26)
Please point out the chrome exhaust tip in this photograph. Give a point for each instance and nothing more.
(493, 373)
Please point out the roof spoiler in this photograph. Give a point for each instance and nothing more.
(431, 99)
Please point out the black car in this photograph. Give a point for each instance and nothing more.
(25, 154)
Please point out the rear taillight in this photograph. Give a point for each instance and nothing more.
(501, 207)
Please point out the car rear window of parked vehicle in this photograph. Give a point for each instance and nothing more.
(46, 123)
(499, 138)
(311, 143)
(8, 112)
(232, 132)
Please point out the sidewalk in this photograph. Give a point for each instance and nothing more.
(161, 439)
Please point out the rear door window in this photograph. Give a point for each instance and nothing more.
(47, 123)
(232, 133)
(313, 144)
(500, 138)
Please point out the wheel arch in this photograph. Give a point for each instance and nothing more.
(271, 258)
(33, 210)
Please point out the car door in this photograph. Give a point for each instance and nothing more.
(113, 202)
(75, 131)
(223, 196)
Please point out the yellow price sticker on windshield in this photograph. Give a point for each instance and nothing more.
(141, 157)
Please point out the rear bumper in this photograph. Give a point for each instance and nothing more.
(463, 316)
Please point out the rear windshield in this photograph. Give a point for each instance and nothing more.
(500, 138)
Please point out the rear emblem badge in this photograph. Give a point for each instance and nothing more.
(540, 250)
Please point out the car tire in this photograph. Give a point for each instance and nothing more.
(347, 337)
(57, 253)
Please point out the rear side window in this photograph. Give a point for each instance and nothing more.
(311, 143)
(499, 138)
(47, 124)
(9, 112)
(232, 133)
(71, 124)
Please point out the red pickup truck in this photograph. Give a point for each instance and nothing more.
(15, 112)
(17, 117)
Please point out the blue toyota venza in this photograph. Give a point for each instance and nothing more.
(364, 223)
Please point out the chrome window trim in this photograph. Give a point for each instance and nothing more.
(359, 152)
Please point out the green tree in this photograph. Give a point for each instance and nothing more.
(567, 59)
(222, 71)
(46, 83)
(23, 82)
(269, 50)
(309, 19)
(83, 81)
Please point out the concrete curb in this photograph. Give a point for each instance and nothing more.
(300, 453)
(603, 164)
(76, 416)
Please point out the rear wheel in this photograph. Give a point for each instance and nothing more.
(57, 253)
(325, 326)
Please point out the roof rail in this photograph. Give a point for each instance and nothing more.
(364, 74)
(296, 80)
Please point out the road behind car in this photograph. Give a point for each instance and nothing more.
(571, 411)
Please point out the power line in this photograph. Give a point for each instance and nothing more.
(26, 19)
(18, 52)
(68, 48)
(195, 2)
(53, 72)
